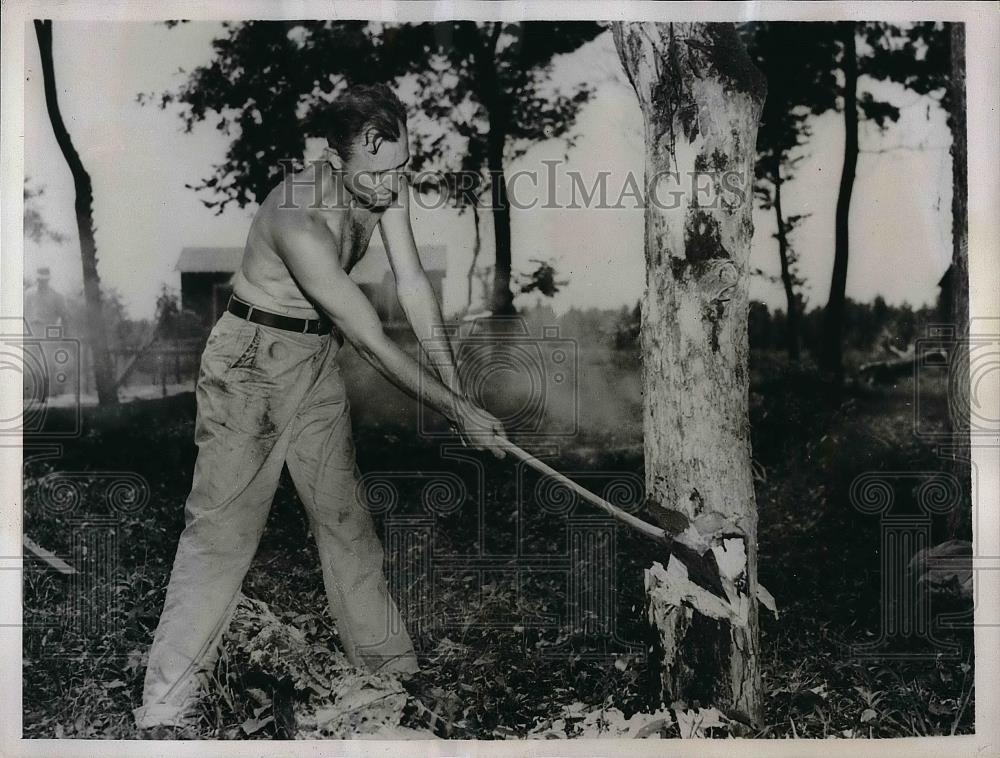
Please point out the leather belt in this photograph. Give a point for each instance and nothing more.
(302, 325)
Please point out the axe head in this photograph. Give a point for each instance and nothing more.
(702, 569)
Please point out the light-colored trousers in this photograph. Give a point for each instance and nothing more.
(267, 397)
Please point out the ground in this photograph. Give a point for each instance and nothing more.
(497, 662)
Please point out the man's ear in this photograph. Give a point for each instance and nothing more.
(373, 141)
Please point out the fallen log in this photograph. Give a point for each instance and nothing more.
(883, 372)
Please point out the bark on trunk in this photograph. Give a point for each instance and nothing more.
(960, 519)
(831, 355)
(476, 244)
(103, 370)
(792, 320)
(701, 99)
(501, 298)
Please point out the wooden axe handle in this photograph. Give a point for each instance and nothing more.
(702, 570)
(624, 516)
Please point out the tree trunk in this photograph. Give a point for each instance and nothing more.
(831, 357)
(792, 320)
(701, 99)
(103, 371)
(960, 518)
(497, 109)
(502, 299)
(476, 245)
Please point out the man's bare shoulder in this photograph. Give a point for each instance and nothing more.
(289, 221)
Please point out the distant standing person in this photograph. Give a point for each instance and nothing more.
(270, 392)
(44, 307)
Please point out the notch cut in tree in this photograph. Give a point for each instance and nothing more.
(701, 99)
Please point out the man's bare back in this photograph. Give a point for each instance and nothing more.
(263, 279)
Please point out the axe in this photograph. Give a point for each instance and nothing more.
(702, 569)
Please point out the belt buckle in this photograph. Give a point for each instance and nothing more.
(250, 313)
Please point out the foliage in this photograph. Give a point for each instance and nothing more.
(268, 82)
(795, 60)
(476, 86)
(626, 333)
(869, 328)
(121, 331)
(487, 82)
(801, 62)
(304, 689)
(175, 322)
(35, 227)
(542, 279)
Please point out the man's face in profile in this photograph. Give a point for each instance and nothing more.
(372, 175)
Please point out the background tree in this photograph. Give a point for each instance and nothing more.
(484, 84)
(914, 56)
(701, 99)
(795, 60)
(960, 519)
(489, 82)
(625, 335)
(103, 369)
(831, 358)
(467, 190)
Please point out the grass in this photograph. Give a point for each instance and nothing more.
(494, 663)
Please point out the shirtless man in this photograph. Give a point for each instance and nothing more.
(270, 392)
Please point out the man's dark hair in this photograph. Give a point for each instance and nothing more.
(358, 108)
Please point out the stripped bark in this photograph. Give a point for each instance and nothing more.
(701, 98)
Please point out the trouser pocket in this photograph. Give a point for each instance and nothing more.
(250, 373)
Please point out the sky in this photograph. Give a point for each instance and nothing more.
(140, 160)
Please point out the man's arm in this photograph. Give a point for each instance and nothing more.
(416, 295)
(308, 249)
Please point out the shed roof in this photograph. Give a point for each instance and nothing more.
(209, 259)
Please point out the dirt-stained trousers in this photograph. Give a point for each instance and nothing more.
(266, 397)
